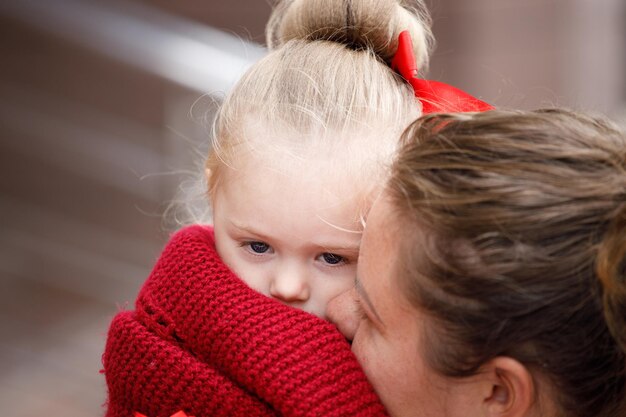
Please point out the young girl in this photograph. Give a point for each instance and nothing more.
(302, 142)
(301, 145)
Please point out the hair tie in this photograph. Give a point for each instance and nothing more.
(435, 96)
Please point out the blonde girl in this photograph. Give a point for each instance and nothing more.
(303, 141)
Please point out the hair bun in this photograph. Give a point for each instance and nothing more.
(372, 25)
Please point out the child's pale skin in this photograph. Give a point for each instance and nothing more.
(291, 234)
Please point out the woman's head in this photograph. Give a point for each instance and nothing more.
(318, 120)
(510, 235)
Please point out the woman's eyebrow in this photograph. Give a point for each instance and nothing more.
(361, 291)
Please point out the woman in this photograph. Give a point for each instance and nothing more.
(492, 275)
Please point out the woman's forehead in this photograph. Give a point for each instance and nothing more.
(379, 258)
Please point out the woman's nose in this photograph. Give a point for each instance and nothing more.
(290, 284)
(343, 312)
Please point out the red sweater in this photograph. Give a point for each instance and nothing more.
(200, 340)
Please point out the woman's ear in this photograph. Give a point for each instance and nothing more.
(508, 388)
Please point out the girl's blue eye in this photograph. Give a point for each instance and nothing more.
(332, 259)
(258, 247)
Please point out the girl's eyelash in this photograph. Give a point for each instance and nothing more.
(332, 259)
(256, 247)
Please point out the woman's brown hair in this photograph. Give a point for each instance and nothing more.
(525, 218)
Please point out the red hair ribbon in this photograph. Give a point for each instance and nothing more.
(178, 414)
(436, 97)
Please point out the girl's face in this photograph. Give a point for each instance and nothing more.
(290, 236)
(387, 332)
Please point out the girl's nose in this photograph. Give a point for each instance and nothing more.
(343, 312)
(290, 285)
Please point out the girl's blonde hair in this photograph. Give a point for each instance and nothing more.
(325, 85)
(524, 215)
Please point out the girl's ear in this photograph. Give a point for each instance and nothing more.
(208, 173)
(508, 388)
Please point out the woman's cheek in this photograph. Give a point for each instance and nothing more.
(364, 350)
(372, 356)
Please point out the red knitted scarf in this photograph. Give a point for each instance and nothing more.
(201, 341)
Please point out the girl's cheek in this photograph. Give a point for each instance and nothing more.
(342, 311)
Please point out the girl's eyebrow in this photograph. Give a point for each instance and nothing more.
(361, 291)
(247, 229)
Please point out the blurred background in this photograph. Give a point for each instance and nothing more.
(97, 133)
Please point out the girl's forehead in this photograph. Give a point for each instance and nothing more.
(268, 196)
(312, 184)
(288, 171)
(332, 166)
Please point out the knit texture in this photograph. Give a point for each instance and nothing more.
(200, 340)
